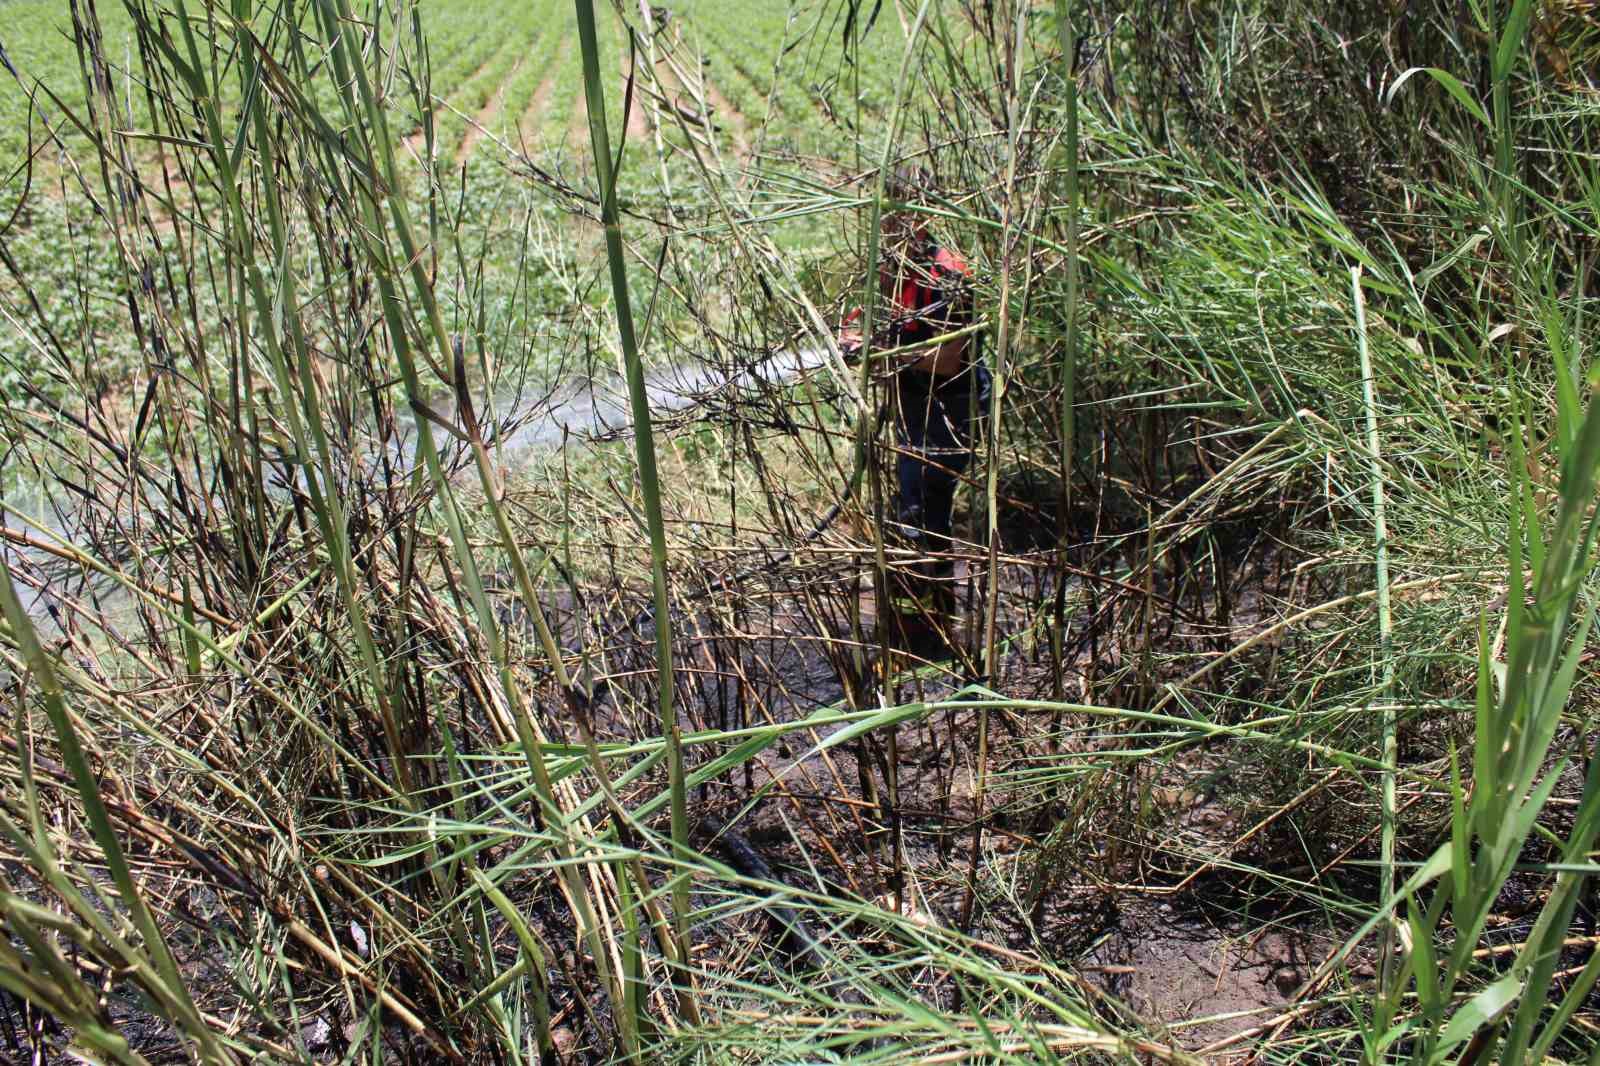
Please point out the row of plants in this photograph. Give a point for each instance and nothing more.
(520, 36)
(791, 70)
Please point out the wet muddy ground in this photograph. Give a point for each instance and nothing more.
(1194, 965)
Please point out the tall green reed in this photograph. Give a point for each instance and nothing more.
(644, 451)
(150, 959)
(1516, 1016)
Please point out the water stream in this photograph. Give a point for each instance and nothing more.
(579, 413)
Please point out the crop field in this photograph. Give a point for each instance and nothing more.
(36, 39)
(506, 73)
(764, 88)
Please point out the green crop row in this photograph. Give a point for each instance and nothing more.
(461, 39)
(751, 47)
(471, 96)
(476, 48)
(566, 101)
(545, 49)
(460, 42)
(810, 92)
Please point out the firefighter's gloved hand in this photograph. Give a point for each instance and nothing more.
(850, 345)
(909, 528)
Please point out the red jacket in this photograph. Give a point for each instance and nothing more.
(927, 296)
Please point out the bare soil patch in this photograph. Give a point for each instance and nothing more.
(577, 128)
(637, 125)
(1212, 979)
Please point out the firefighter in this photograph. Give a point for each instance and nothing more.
(939, 389)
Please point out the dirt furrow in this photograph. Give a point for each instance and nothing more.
(738, 126)
(416, 143)
(489, 114)
(636, 125)
(721, 115)
(531, 122)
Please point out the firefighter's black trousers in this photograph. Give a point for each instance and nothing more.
(934, 427)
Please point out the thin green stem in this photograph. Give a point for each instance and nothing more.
(644, 451)
(1380, 533)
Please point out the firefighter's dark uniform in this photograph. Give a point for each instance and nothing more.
(929, 296)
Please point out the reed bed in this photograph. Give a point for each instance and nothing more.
(349, 718)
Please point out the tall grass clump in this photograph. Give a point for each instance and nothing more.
(305, 673)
